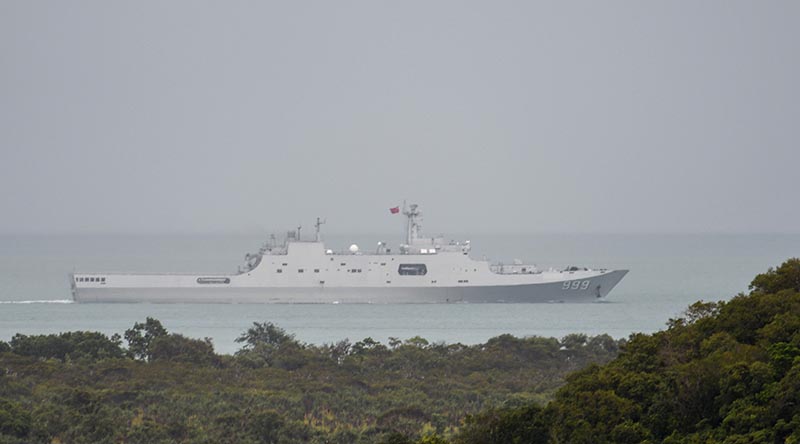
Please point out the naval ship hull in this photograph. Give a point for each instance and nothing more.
(425, 270)
(550, 292)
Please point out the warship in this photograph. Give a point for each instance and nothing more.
(422, 270)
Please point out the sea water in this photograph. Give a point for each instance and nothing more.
(667, 273)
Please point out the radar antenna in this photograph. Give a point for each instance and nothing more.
(317, 225)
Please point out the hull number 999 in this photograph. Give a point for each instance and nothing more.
(575, 285)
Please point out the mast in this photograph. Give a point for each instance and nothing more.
(412, 225)
(317, 225)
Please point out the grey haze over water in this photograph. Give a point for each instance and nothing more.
(668, 272)
(233, 117)
(161, 122)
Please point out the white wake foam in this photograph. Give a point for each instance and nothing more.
(44, 301)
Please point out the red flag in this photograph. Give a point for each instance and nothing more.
(394, 210)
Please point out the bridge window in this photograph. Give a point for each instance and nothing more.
(412, 270)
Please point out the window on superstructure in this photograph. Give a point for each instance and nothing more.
(316, 270)
(300, 270)
(102, 279)
(412, 270)
(279, 270)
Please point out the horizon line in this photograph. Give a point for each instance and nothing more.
(385, 233)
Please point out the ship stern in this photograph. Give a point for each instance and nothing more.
(73, 287)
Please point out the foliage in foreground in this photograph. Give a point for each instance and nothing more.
(162, 388)
(726, 372)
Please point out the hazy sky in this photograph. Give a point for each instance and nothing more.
(191, 116)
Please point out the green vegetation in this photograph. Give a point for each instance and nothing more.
(725, 372)
(84, 387)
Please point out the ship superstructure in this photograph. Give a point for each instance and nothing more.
(423, 270)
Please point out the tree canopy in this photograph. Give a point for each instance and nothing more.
(164, 387)
(726, 372)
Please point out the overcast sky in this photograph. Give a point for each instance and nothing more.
(191, 116)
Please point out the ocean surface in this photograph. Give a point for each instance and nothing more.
(667, 273)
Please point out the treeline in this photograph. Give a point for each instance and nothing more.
(151, 386)
(726, 372)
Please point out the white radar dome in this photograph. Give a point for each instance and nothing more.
(354, 248)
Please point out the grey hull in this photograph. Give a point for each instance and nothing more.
(425, 270)
(529, 293)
